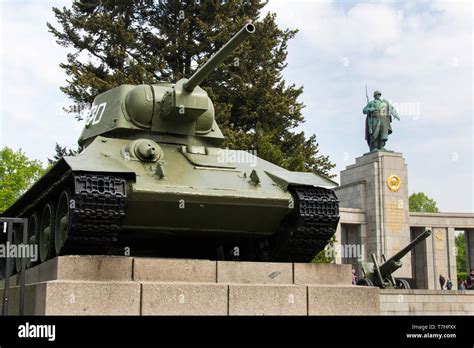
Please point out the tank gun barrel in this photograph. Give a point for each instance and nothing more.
(217, 58)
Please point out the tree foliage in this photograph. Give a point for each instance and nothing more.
(419, 202)
(460, 241)
(115, 42)
(61, 151)
(328, 254)
(17, 174)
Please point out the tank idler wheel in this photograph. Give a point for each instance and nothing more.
(62, 221)
(46, 233)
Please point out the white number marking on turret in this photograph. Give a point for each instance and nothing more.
(96, 114)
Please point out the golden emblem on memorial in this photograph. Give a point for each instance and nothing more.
(439, 235)
(393, 183)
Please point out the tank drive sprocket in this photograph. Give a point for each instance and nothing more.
(307, 230)
(81, 213)
(96, 208)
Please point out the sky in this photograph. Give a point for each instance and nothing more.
(418, 53)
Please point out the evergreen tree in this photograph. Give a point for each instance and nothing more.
(116, 41)
(61, 151)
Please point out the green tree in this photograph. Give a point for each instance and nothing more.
(115, 42)
(460, 241)
(17, 174)
(419, 202)
(328, 254)
(61, 151)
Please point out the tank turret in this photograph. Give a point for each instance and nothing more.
(182, 109)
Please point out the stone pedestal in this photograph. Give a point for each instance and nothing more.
(104, 285)
(364, 185)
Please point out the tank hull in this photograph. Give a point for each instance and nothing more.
(192, 196)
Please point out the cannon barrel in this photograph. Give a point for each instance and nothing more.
(217, 58)
(394, 263)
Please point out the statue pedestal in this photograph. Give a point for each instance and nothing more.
(378, 184)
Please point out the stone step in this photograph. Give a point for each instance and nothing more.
(111, 285)
(275, 299)
(161, 298)
(69, 297)
(121, 268)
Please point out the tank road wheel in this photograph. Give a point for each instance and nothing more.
(46, 233)
(33, 228)
(402, 284)
(365, 282)
(62, 221)
(267, 249)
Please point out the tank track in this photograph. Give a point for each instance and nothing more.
(312, 225)
(96, 214)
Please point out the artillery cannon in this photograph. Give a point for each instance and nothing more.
(382, 275)
(152, 179)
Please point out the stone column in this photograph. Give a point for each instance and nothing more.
(419, 260)
(387, 229)
(440, 254)
(351, 247)
(363, 241)
(430, 260)
(469, 240)
(452, 271)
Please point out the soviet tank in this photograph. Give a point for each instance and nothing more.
(152, 179)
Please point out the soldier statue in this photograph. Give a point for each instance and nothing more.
(377, 123)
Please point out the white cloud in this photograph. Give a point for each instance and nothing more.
(30, 79)
(415, 52)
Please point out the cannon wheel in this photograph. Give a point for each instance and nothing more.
(402, 284)
(365, 282)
